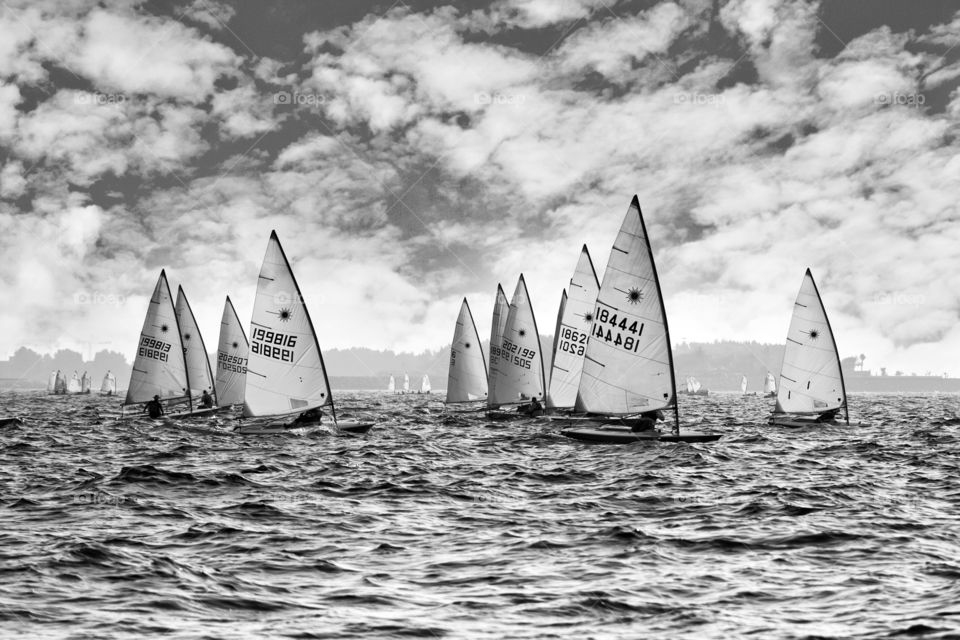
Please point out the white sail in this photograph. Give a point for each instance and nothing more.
(392, 385)
(810, 377)
(425, 384)
(743, 384)
(194, 350)
(556, 339)
(628, 366)
(285, 371)
(85, 383)
(159, 367)
(233, 349)
(770, 384)
(518, 374)
(60, 386)
(74, 385)
(573, 332)
(501, 308)
(467, 377)
(695, 384)
(52, 382)
(109, 385)
(406, 383)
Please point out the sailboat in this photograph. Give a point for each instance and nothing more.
(628, 365)
(159, 368)
(392, 385)
(467, 377)
(770, 386)
(425, 384)
(199, 373)
(52, 382)
(85, 383)
(233, 349)
(694, 388)
(74, 386)
(518, 375)
(743, 387)
(109, 385)
(286, 382)
(811, 380)
(573, 329)
(406, 383)
(60, 384)
(501, 307)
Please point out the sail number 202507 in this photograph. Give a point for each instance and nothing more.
(618, 330)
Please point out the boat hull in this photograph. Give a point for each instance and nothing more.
(510, 415)
(796, 422)
(355, 427)
(611, 434)
(6, 422)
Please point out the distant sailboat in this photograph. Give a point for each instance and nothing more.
(628, 373)
(109, 385)
(770, 386)
(743, 387)
(52, 382)
(85, 383)
(694, 388)
(425, 384)
(392, 385)
(406, 383)
(518, 376)
(501, 307)
(467, 377)
(194, 350)
(74, 386)
(60, 384)
(286, 381)
(233, 349)
(159, 368)
(811, 389)
(573, 329)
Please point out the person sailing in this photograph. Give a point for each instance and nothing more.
(532, 409)
(206, 400)
(646, 422)
(153, 407)
(310, 416)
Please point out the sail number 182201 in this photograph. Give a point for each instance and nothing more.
(618, 330)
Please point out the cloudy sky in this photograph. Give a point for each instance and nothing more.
(413, 153)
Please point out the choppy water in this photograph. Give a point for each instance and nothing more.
(444, 526)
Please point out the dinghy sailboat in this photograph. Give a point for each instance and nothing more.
(286, 383)
(233, 349)
(85, 383)
(406, 383)
(425, 384)
(392, 385)
(199, 373)
(467, 377)
(770, 386)
(811, 389)
(518, 377)
(573, 330)
(109, 385)
(52, 382)
(159, 368)
(628, 374)
(74, 386)
(501, 307)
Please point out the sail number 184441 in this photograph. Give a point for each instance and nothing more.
(618, 330)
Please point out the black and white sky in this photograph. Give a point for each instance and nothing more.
(413, 153)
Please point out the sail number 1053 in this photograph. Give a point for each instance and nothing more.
(619, 331)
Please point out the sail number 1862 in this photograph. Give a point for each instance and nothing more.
(619, 331)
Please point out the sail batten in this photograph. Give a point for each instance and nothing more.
(285, 358)
(811, 380)
(628, 364)
(467, 376)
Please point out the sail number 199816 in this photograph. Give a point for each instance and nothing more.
(271, 344)
(619, 331)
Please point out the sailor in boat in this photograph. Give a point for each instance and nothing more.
(532, 409)
(206, 400)
(828, 416)
(646, 422)
(154, 408)
(311, 416)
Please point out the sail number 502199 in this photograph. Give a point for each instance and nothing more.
(517, 355)
(619, 331)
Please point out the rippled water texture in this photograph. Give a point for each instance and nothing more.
(439, 525)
